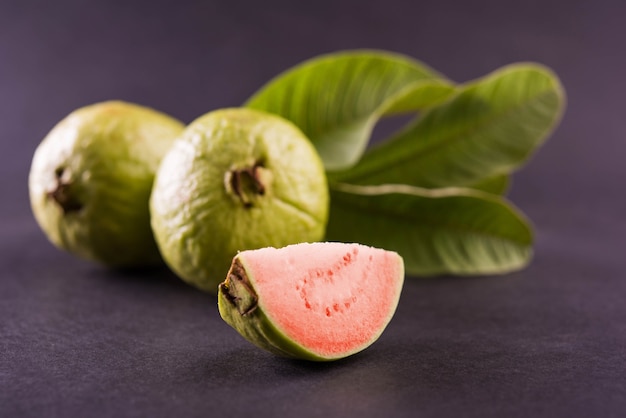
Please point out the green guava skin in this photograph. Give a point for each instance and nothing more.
(91, 178)
(236, 179)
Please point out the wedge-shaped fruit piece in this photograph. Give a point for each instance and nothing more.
(319, 301)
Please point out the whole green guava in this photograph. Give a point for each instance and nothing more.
(91, 178)
(236, 179)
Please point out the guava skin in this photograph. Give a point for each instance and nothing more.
(236, 179)
(91, 178)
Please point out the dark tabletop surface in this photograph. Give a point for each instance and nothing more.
(79, 340)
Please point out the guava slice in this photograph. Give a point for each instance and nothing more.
(316, 301)
(236, 179)
(91, 178)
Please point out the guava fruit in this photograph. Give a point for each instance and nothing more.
(91, 178)
(236, 179)
(315, 301)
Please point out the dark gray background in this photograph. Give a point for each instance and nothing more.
(79, 340)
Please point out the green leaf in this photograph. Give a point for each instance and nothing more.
(437, 231)
(488, 129)
(495, 185)
(337, 99)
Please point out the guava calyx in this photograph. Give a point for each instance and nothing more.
(238, 290)
(61, 192)
(246, 183)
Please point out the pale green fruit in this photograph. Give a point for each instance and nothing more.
(236, 179)
(91, 178)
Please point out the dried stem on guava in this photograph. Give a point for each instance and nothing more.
(238, 291)
(62, 194)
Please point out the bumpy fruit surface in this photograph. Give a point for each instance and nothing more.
(236, 179)
(91, 178)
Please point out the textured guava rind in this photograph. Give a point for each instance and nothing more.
(108, 153)
(200, 224)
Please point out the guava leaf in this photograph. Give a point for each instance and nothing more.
(437, 231)
(496, 185)
(488, 129)
(336, 99)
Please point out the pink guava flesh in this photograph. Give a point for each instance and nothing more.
(329, 298)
